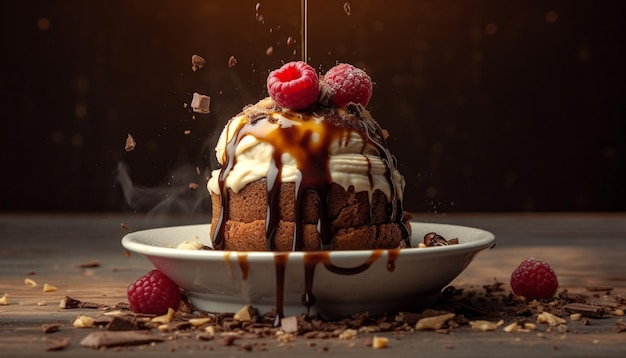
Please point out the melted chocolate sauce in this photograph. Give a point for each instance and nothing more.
(308, 140)
(242, 258)
(280, 261)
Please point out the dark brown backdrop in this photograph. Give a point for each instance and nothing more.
(492, 105)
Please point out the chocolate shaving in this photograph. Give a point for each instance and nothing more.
(585, 310)
(177, 326)
(68, 303)
(599, 288)
(57, 343)
(620, 326)
(100, 339)
(289, 324)
(232, 62)
(94, 263)
(50, 327)
(122, 324)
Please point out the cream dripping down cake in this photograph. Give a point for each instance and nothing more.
(307, 169)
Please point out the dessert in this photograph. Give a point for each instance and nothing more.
(307, 169)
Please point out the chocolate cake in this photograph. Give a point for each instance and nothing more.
(309, 179)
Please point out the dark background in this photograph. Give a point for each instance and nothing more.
(492, 105)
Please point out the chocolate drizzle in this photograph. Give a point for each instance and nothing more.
(308, 138)
(311, 259)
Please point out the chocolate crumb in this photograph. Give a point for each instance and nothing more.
(620, 326)
(586, 310)
(100, 339)
(57, 343)
(573, 297)
(599, 288)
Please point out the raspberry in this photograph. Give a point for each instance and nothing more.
(351, 84)
(153, 293)
(295, 85)
(534, 279)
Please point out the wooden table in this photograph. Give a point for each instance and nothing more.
(585, 249)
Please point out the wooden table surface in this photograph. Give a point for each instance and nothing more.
(585, 249)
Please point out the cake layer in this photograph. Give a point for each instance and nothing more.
(346, 208)
(240, 236)
(354, 223)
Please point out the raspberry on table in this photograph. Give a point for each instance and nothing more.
(350, 84)
(153, 293)
(534, 279)
(294, 85)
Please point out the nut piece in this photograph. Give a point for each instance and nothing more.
(348, 334)
(42, 303)
(434, 323)
(549, 318)
(4, 300)
(519, 327)
(485, 325)
(618, 312)
(189, 245)
(48, 288)
(246, 314)
(166, 318)
(83, 321)
(197, 322)
(575, 316)
(380, 342)
(30, 282)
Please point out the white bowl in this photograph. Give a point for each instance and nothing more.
(390, 281)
